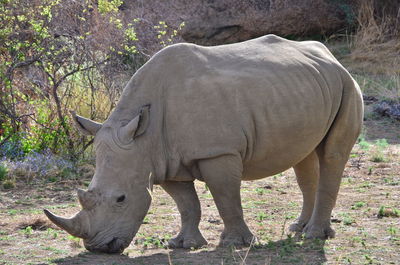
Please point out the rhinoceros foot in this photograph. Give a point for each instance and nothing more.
(187, 241)
(237, 238)
(312, 231)
(297, 227)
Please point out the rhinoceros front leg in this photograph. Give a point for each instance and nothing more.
(307, 174)
(223, 177)
(185, 196)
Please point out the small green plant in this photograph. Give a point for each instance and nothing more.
(348, 260)
(3, 172)
(347, 219)
(366, 184)
(382, 143)
(27, 231)
(392, 231)
(358, 205)
(8, 184)
(55, 250)
(52, 233)
(260, 191)
(391, 181)
(75, 241)
(388, 212)
(381, 211)
(364, 145)
(153, 241)
(12, 212)
(394, 234)
(52, 179)
(378, 155)
(378, 158)
(369, 259)
(73, 238)
(358, 239)
(261, 216)
(354, 155)
(146, 220)
(165, 34)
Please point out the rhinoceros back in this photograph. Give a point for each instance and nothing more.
(269, 100)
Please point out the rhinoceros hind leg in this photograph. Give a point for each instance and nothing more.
(331, 170)
(223, 177)
(321, 231)
(307, 174)
(185, 196)
(333, 153)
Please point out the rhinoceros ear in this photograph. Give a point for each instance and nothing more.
(85, 126)
(137, 126)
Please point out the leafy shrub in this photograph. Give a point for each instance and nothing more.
(12, 148)
(57, 56)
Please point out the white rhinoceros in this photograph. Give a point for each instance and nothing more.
(220, 115)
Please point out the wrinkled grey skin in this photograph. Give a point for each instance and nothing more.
(221, 115)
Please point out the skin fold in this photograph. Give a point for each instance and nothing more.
(221, 115)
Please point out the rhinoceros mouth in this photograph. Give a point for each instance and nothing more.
(114, 246)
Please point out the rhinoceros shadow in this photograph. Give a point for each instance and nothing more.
(285, 251)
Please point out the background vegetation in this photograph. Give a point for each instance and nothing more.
(57, 56)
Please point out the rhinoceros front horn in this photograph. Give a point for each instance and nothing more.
(76, 226)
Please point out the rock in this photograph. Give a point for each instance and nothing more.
(211, 22)
(389, 109)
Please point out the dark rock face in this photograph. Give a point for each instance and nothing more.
(211, 22)
(231, 21)
(389, 109)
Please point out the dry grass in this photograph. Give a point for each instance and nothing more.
(380, 86)
(376, 45)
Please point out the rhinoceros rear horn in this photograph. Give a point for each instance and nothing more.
(76, 225)
(86, 199)
(85, 126)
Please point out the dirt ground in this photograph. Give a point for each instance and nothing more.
(270, 205)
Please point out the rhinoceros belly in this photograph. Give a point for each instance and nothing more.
(279, 157)
(262, 169)
(269, 167)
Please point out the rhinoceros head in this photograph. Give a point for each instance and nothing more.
(118, 196)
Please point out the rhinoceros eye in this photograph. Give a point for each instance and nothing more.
(121, 198)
